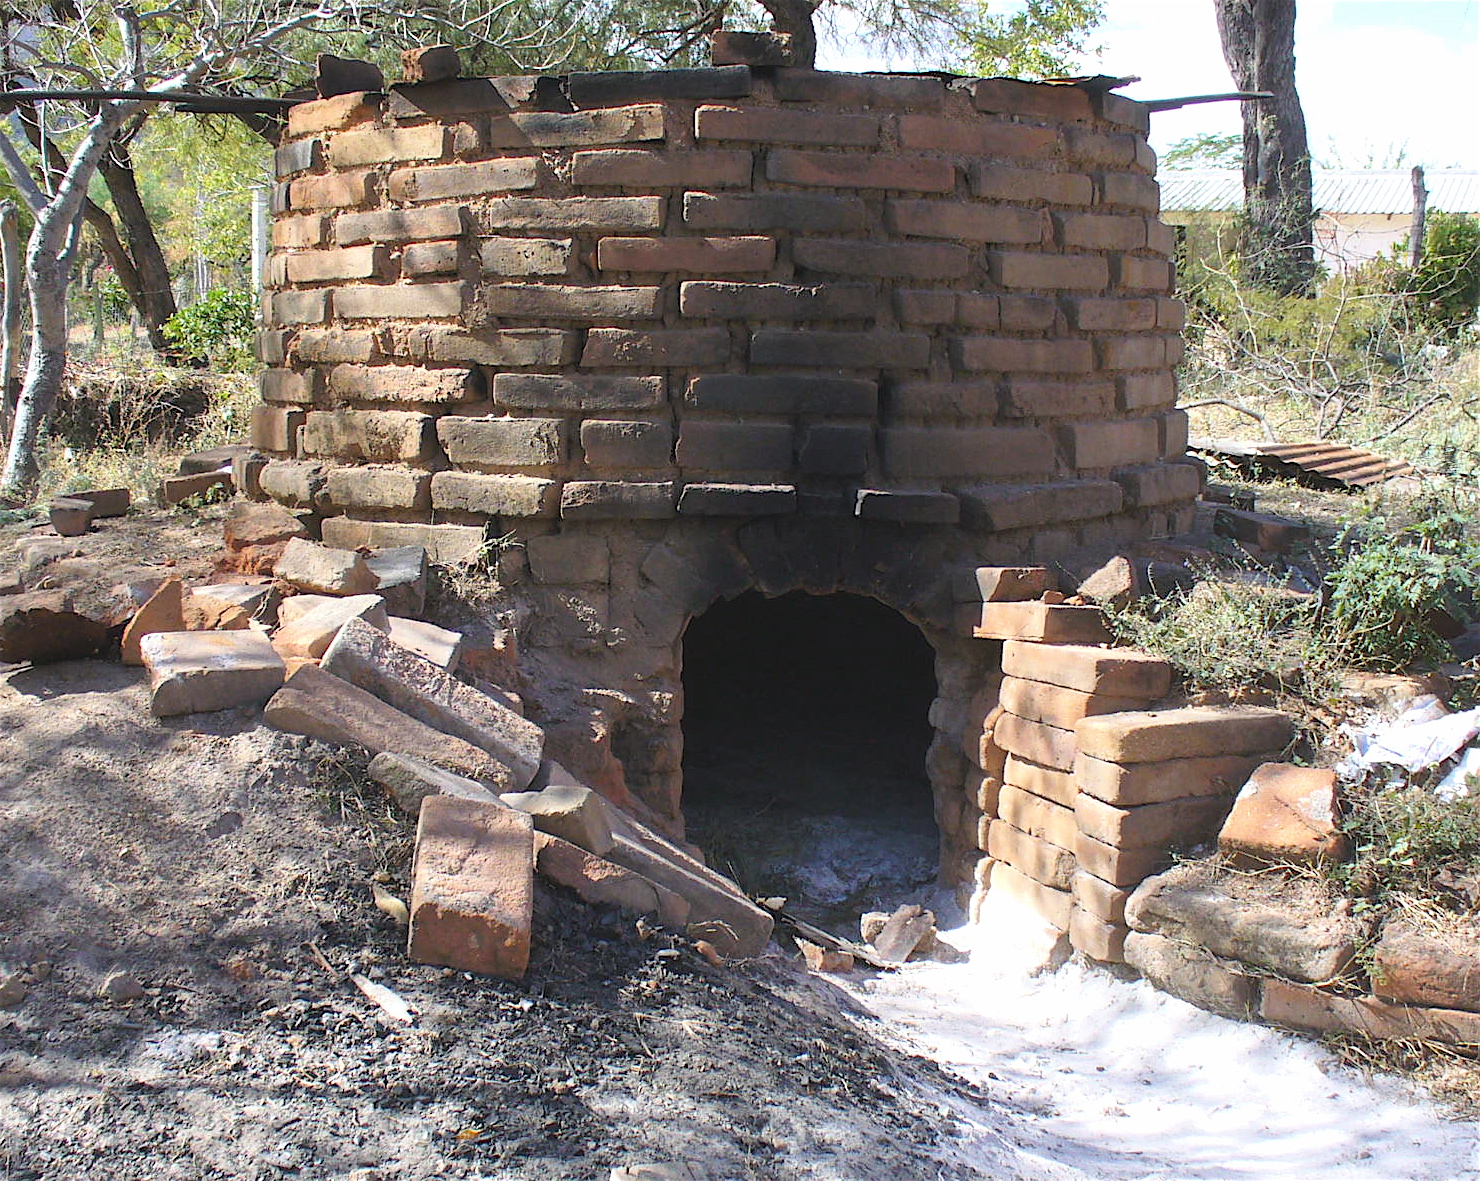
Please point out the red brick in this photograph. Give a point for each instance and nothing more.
(1122, 672)
(1193, 732)
(1003, 182)
(1140, 193)
(355, 262)
(449, 181)
(1002, 584)
(920, 174)
(1119, 867)
(503, 442)
(332, 114)
(300, 307)
(333, 191)
(1099, 898)
(1011, 355)
(525, 256)
(617, 167)
(1171, 315)
(1096, 938)
(507, 348)
(891, 260)
(1100, 231)
(678, 347)
(495, 496)
(976, 137)
(1284, 814)
(1147, 391)
(1162, 484)
(446, 545)
(859, 90)
(402, 383)
(539, 391)
(1044, 862)
(702, 255)
(274, 428)
(372, 435)
(1006, 96)
(375, 145)
(287, 385)
(472, 893)
(1124, 112)
(1047, 782)
(1049, 623)
(1133, 352)
(1098, 149)
(1037, 816)
(1113, 315)
(1142, 274)
(573, 213)
(309, 229)
(767, 211)
(605, 883)
(411, 301)
(1173, 824)
(1000, 507)
(938, 452)
(1300, 1006)
(536, 300)
(843, 350)
(745, 447)
(1418, 968)
(377, 487)
(554, 129)
(1135, 784)
(786, 127)
(1053, 906)
(1028, 398)
(399, 225)
(959, 221)
(1116, 443)
(780, 301)
(1160, 238)
(1051, 272)
(431, 258)
(1038, 701)
(602, 500)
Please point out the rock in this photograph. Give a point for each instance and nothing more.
(295, 607)
(212, 459)
(870, 923)
(472, 891)
(246, 474)
(310, 566)
(198, 672)
(163, 612)
(572, 812)
(120, 986)
(255, 536)
(904, 930)
(430, 63)
(1002, 584)
(604, 882)
(825, 959)
(70, 517)
(42, 627)
(106, 502)
(410, 780)
(13, 990)
(258, 600)
(1284, 813)
(206, 486)
(1290, 941)
(401, 578)
(1415, 967)
(311, 634)
(658, 1171)
(320, 705)
(733, 47)
(206, 613)
(369, 658)
(345, 75)
(1192, 974)
(440, 645)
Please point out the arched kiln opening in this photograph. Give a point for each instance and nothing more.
(805, 736)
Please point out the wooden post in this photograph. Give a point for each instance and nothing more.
(10, 318)
(1420, 214)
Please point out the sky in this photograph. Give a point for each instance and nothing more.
(1384, 83)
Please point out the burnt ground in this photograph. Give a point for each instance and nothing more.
(227, 869)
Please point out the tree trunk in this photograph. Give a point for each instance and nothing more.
(10, 319)
(795, 17)
(1277, 242)
(47, 284)
(158, 306)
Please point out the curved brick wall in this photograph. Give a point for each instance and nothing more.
(652, 324)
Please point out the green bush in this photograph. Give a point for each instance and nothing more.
(1446, 286)
(1392, 587)
(216, 329)
(1406, 840)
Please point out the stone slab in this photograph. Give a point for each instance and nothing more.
(200, 672)
(409, 780)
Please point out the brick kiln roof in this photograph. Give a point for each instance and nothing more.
(1384, 191)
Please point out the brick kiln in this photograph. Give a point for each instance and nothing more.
(665, 338)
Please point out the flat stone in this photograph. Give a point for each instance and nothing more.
(1192, 974)
(258, 600)
(313, 567)
(1284, 813)
(367, 657)
(1289, 941)
(295, 607)
(401, 578)
(569, 811)
(164, 611)
(409, 780)
(472, 887)
(320, 705)
(440, 645)
(199, 672)
(604, 882)
(43, 626)
(1151, 736)
(311, 634)
(1415, 967)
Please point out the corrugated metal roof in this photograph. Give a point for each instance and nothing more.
(1390, 191)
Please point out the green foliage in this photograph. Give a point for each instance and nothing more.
(116, 303)
(1044, 39)
(1232, 636)
(1446, 286)
(1394, 586)
(217, 328)
(1208, 149)
(1408, 841)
